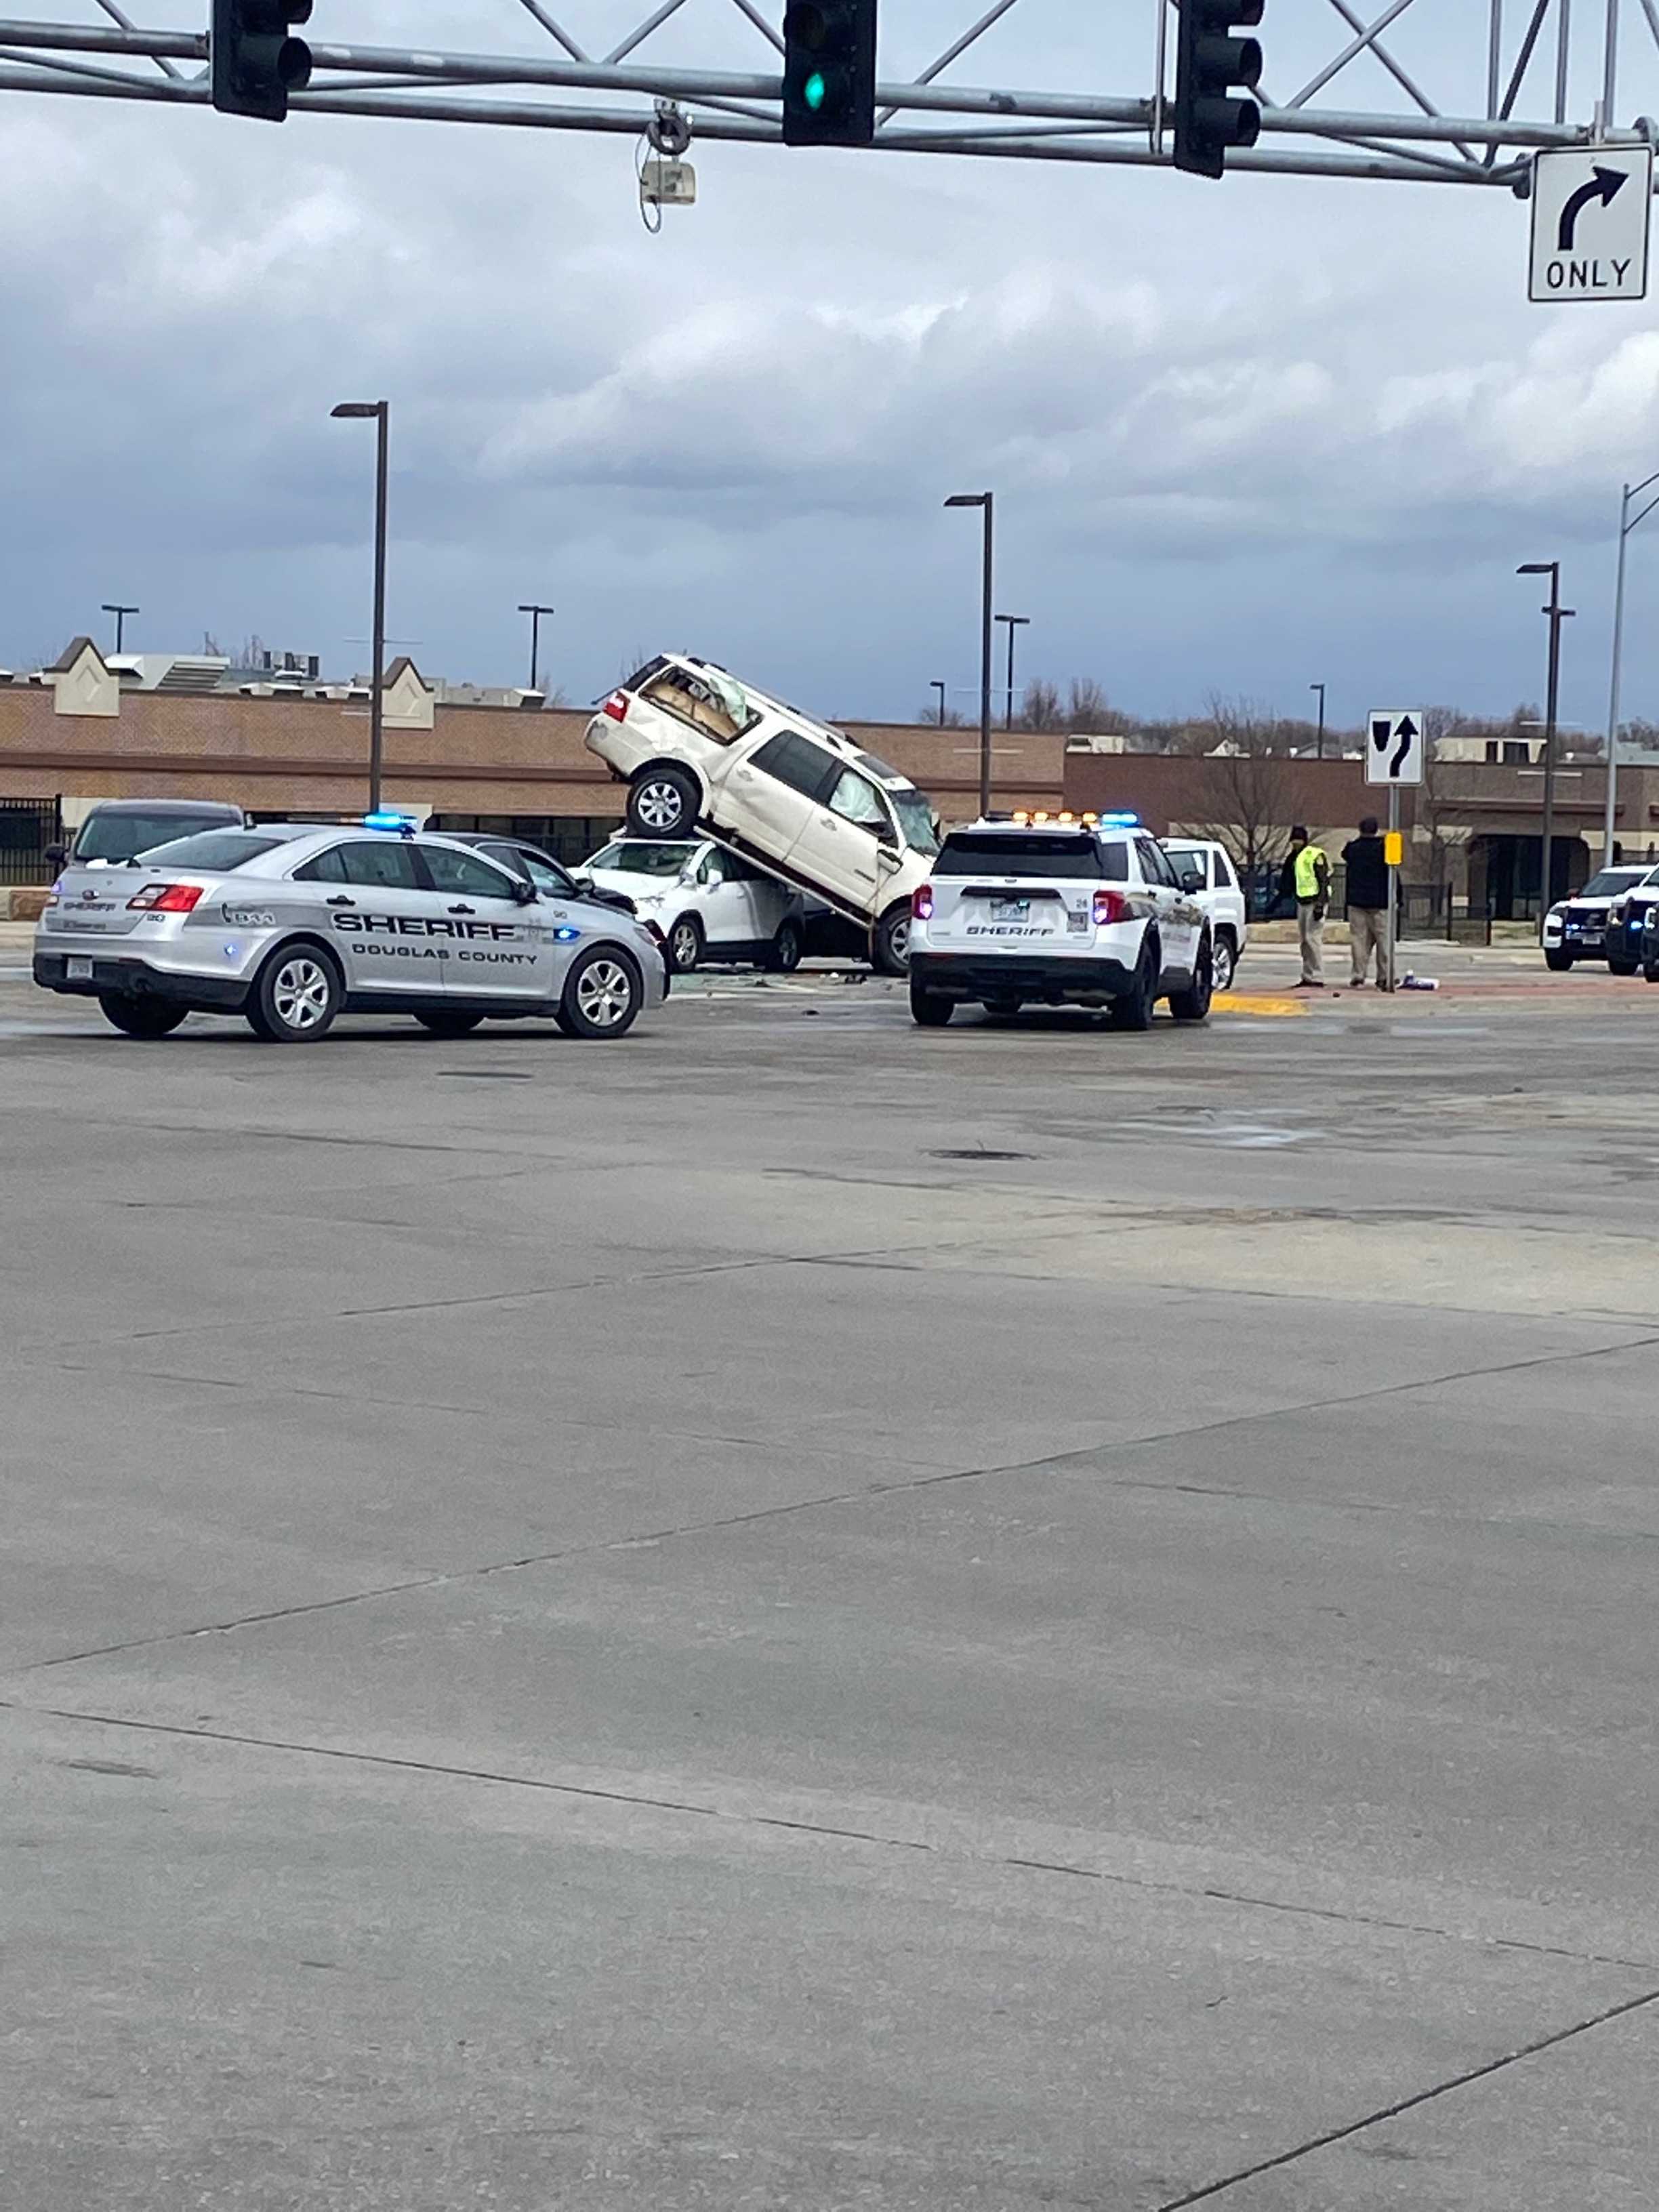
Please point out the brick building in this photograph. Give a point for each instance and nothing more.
(81, 732)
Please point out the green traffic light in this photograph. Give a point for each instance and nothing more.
(813, 91)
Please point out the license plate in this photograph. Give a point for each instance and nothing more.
(78, 971)
(1009, 909)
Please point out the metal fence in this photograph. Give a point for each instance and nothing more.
(27, 826)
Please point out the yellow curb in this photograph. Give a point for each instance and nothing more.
(1243, 1002)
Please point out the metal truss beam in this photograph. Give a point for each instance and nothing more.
(928, 114)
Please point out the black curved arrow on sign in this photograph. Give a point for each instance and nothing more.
(1603, 183)
(1405, 732)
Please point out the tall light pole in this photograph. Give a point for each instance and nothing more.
(535, 613)
(378, 410)
(1320, 690)
(985, 500)
(1627, 522)
(1557, 614)
(936, 685)
(1014, 622)
(120, 613)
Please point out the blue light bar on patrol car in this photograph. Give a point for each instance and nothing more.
(386, 819)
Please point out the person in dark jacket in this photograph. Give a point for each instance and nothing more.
(1368, 904)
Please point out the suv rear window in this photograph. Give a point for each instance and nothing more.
(1029, 853)
(111, 836)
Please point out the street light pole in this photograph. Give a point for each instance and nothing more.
(1014, 622)
(1557, 614)
(535, 613)
(120, 613)
(380, 411)
(1320, 690)
(986, 500)
(1625, 526)
(936, 685)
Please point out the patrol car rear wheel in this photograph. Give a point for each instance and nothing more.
(296, 997)
(140, 1017)
(685, 943)
(930, 1010)
(662, 802)
(1193, 1005)
(1133, 1011)
(603, 995)
(449, 1021)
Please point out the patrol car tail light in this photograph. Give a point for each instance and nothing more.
(1110, 907)
(168, 898)
(617, 707)
(921, 903)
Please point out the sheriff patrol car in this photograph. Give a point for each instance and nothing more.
(1057, 909)
(289, 926)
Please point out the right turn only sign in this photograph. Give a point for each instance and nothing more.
(1589, 223)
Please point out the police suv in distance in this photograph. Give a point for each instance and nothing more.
(1059, 911)
(290, 925)
(1612, 906)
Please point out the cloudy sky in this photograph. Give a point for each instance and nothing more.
(1243, 435)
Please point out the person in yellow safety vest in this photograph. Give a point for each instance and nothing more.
(1309, 871)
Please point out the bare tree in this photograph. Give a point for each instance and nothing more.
(950, 720)
(1042, 709)
(1091, 713)
(1244, 788)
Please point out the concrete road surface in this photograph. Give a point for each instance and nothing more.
(800, 1613)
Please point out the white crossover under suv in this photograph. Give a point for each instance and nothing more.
(699, 750)
(710, 904)
(1059, 911)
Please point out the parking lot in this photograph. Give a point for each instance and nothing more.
(793, 1612)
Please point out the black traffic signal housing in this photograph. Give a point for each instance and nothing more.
(830, 72)
(1210, 61)
(255, 60)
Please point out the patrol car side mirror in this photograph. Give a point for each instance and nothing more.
(1192, 879)
(525, 894)
(57, 854)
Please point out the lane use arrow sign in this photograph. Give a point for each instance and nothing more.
(1603, 183)
(1394, 753)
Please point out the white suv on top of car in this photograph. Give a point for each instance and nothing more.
(1059, 911)
(697, 747)
(710, 904)
(1206, 869)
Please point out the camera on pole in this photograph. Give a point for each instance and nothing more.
(255, 60)
(830, 72)
(1210, 61)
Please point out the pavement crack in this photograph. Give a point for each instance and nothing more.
(880, 1839)
(1211, 2189)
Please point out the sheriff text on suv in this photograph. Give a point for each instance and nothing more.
(1057, 910)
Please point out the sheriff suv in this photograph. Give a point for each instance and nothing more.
(1056, 910)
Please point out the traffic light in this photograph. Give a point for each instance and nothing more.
(1210, 61)
(830, 72)
(256, 61)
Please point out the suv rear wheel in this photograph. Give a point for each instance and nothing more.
(663, 802)
(1193, 1005)
(784, 957)
(930, 1010)
(1133, 1011)
(685, 944)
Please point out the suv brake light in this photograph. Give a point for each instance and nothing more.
(921, 903)
(1110, 907)
(617, 707)
(167, 898)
